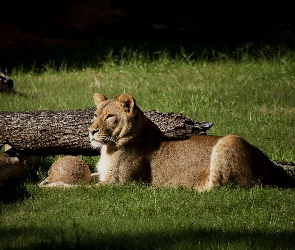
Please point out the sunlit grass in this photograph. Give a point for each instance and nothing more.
(135, 216)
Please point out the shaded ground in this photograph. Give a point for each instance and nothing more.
(44, 238)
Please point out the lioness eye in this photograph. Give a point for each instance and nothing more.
(108, 116)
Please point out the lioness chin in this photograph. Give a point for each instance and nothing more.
(134, 149)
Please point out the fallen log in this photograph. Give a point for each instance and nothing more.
(66, 132)
(289, 167)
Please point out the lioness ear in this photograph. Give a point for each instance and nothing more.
(98, 98)
(127, 102)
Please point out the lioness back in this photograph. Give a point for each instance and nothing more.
(205, 162)
(184, 162)
(134, 149)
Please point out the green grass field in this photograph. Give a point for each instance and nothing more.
(245, 92)
(139, 217)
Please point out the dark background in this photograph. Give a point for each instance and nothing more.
(80, 22)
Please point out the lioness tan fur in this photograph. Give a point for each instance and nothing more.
(134, 149)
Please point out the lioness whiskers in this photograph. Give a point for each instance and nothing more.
(108, 139)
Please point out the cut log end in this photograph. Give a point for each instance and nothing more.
(6, 84)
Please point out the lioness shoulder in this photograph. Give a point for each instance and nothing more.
(134, 149)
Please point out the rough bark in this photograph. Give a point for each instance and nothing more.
(289, 167)
(66, 132)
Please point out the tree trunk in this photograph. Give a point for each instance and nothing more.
(66, 132)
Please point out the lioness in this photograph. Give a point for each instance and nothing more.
(134, 149)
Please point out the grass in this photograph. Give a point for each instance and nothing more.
(249, 92)
(136, 216)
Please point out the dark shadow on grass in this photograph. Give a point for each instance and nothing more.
(44, 238)
(13, 192)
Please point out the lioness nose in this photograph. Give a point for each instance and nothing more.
(92, 131)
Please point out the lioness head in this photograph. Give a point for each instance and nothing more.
(113, 119)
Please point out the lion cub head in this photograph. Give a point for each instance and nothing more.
(113, 119)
